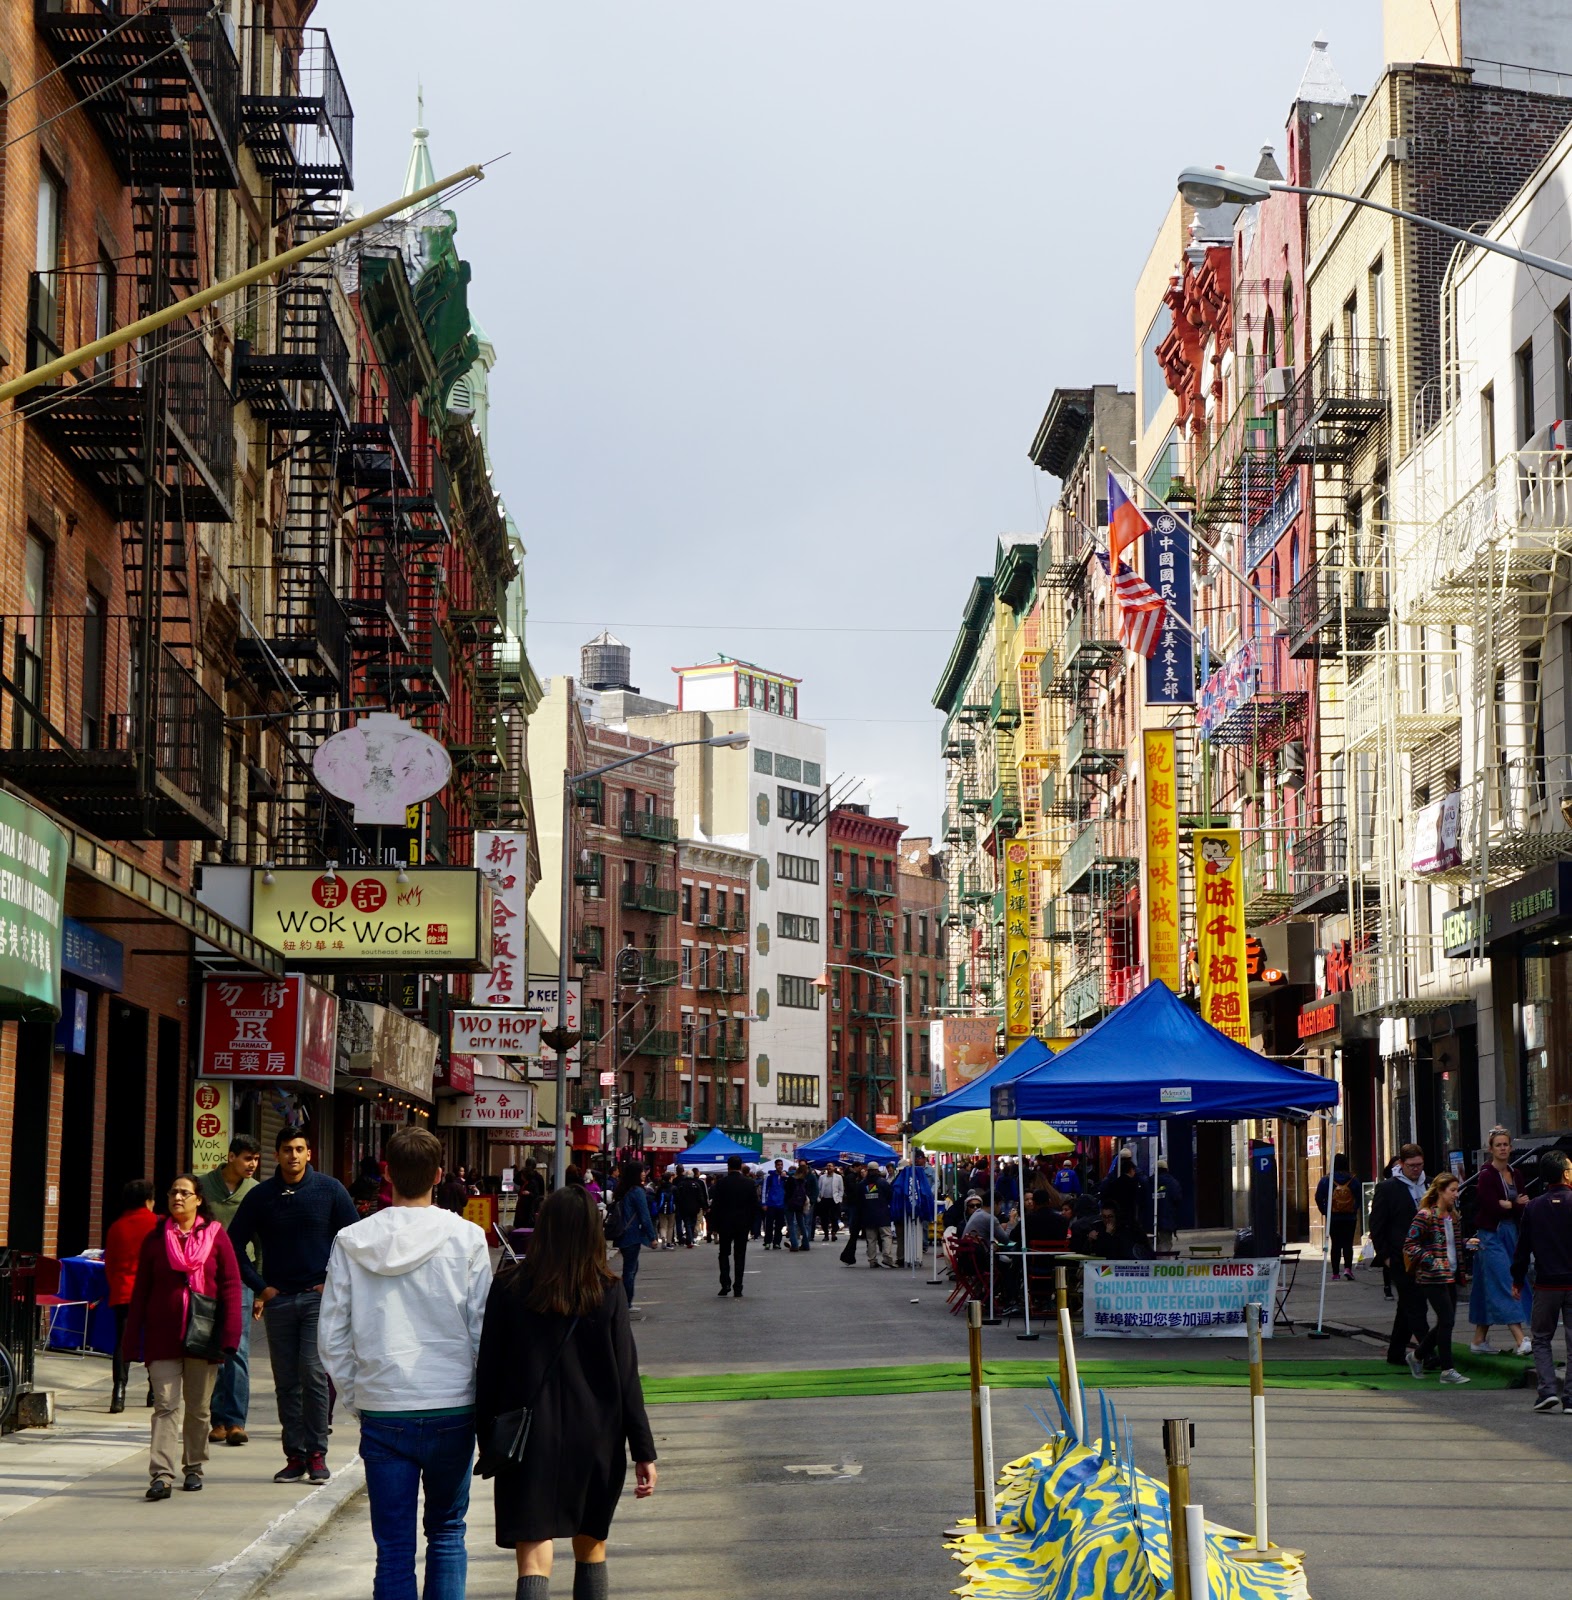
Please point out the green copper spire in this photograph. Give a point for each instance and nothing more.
(420, 174)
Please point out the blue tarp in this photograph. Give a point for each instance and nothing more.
(844, 1141)
(1152, 1059)
(717, 1146)
(973, 1096)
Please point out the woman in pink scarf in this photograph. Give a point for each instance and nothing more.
(186, 1252)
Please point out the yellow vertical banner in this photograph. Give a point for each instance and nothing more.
(1162, 857)
(1220, 932)
(1017, 942)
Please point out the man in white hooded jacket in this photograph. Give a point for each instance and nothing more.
(399, 1333)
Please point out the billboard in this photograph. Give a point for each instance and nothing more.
(1017, 943)
(269, 1030)
(494, 1030)
(965, 1047)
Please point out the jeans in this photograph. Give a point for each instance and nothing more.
(1340, 1229)
(299, 1379)
(685, 1228)
(630, 1267)
(774, 1221)
(733, 1259)
(1437, 1344)
(1550, 1307)
(1411, 1317)
(187, 1383)
(232, 1392)
(799, 1229)
(402, 1454)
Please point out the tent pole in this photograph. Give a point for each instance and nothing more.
(1020, 1222)
(991, 1320)
(1319, 1330)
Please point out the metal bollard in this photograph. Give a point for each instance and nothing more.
(982, 1496)
(1178, 1438)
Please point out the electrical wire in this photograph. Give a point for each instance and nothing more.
(119, 27)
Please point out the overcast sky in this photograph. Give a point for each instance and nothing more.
(780, 290)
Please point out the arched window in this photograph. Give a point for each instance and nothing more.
(1293, 559)
(1288, 322)
(1269, 340)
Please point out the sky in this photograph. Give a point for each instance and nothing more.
(780, 290)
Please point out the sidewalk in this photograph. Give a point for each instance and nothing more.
(72, 1508)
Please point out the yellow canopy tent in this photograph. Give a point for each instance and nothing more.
(969, 1132)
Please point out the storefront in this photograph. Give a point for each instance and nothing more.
(1338, 1043)
(386, 1062)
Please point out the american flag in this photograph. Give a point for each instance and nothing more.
(1141, 609)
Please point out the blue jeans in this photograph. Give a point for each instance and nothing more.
(401, 1453)
(299, 1379)
(630, 1267)
(685, 1228)
(232, 1392)
(799, 1230)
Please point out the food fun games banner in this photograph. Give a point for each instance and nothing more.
(1176, 1299)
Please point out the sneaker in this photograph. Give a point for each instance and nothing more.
(293, 1471)
(1481, 1350)
(318, 1470)
(1452, 1375)
(1415, 1365)
(1548, 1403)
(1526, 1348)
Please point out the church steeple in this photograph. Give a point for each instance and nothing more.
(420, 174)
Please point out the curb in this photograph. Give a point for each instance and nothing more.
(243, 1575)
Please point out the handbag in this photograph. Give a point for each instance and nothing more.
(509, 1434)
(202, 1340)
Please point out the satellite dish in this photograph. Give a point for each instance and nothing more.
(382, 766)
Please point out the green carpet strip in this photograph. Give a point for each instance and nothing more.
(932, 1377)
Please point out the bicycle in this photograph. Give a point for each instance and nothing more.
(9, 1386)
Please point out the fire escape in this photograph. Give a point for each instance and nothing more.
(110, 722)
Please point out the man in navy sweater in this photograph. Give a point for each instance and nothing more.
(1545, 1237)
(294, 1216)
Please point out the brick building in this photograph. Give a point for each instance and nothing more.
(920, 897)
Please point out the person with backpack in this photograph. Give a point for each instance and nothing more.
(691, 1200)
(799, 1223)
(629, 1225)
(773, 1197)
(1337, 1199)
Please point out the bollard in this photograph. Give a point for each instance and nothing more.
(1178, 1437)
(1195, 1534)
(981, 1497)
(1253, 1315)
(1061, 1293)
(985, 1414)
(1067, 1366)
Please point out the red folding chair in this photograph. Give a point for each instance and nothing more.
(51, 1303)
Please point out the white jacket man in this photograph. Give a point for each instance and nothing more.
(832, 1187)
(402, 1308)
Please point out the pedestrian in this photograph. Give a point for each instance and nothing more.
(912, 1208)
(293, 1217)
(874, 1217)
(810, 1181)
(733, 1214)
(1170, 1199)
(122, 1251)
(632, 1227)
(452, 1192)
(223, 1189)
(832, 1193)
(853, 1217)
(399, 1336)
(1498, 1203)
(664, 1209)
(774, 1198)
(558, 1363)
(366, 1190)
(1392, 1209)
(532, 1190)
(1130, 1196)
(185, 1256)
(1545, 1239)
(799, 1224)
(689, 1199)
(1435, 1254)
(1337, 1200)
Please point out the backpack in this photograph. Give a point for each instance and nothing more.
(1343, 1200)
(616, 1222)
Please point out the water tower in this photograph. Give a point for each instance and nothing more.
(606, 664)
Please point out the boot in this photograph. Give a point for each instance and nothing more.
(117, 1399)
(149, 1401)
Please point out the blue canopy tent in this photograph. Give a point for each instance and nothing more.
(974, 1096)
(715, 1149)
(844, 1141)
(1155, 1059)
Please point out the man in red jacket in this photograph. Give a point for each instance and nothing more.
(1545, 1236)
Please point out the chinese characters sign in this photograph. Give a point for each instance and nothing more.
(501, 857)
(542, 997)
(32, 883)
(1162, 856)
(211, 1120)
(1170, 673)
(496, 1103)
(1220, 932)
(273, 1030)
(1017, 942)
(436, 919)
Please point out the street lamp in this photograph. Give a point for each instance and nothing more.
(822, 982)
(559, 1039)
(1206, 187)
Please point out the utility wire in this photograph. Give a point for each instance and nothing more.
(54, 72)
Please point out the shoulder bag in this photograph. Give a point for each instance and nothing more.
(203, 1339)
(505, 1443)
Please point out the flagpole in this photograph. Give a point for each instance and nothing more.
(1195, 538)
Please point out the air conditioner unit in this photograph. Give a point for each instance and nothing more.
(1291, 765)
(1449, 687)
(1276, 383)
(840, 877)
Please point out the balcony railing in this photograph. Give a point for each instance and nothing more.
(378, 452)
(652, 825)
(1081, 754)
(70, 706)
(589, 947)
(657, 970)
(1005, 711)
(873, 889)
(1336, 608)
(1253, 698)
(646, 897)
(1411, 697)
(591, 874)
(381, 603)
(646, 1042)
(94, 416)
(1267, 871)
(1104, 854)
(299, 378)
(309, 633)
(1336, 400)
(732, 1049)
(295, 115)
(1238, 477)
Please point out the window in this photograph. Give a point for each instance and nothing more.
(736, 972)
(1563, 323)
(835, 1051)
(1377, 368)
(856, 868)
(703, 1101)
(906, 932)
(1487, 428)
(922, 1048)
(1289, 355)
(687, 902)
(739, 909)
(704, 905)
(687, 966)
(28, 661)
(856, 930)
(796, 1088)
(922, 989)
(922, 933)
(703, 1047)
(1523, 372)
(835, 989)
(1154, 383)
(791, 926)
(93, 644)
(720, 907)
(51, 202)
(104, 306)
(797, 992)
(796, 805)
(687, 1033)
(835, 865)
(704, 966)
(1351, 325)
(835, 927)
(594, 1020)
(800, 869)
(1534, 714)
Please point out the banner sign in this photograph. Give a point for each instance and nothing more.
(542, 997)
(273, 1030)
(1017, 942)
(496, 1103)
(459, 1074)
(92, 956)
(966, 1046)
(382, 1043)
(1170, 673)
(1231, 686)
(435, 918)
(1162, 856)
(664, 1135)
(495, 1031)
(32, 885)
(501, 856)
(1220, 932)
(1181, 1299)
(212, 1124)
(1438, 845)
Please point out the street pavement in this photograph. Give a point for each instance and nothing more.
(1391, 1494)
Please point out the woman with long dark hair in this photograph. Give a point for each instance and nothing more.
(558, 1343)
(186, 1254)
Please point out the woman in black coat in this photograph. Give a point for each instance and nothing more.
(557, 1339)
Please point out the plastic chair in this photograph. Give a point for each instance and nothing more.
(51, 1303)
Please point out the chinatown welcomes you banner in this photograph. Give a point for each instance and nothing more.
(437, 919)
(1162, 856)
(1157, 1299)
(1170, 673)
(1220, 932)
(269, 1030)
(1017, 942)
